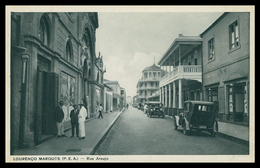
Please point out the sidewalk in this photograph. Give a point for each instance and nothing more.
(96, 129)
(234, 132)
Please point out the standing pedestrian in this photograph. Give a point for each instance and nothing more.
(74, 120)
(100, 109)
(81, 119)
(59, 118)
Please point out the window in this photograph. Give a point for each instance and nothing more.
(43, 31)
(195, 55)
(233, 35)
(69, 52)
(154, 74)
(211, 49)
(213, 94)
(145, 75)
(150, 74)
(159, 74)
(189, 60)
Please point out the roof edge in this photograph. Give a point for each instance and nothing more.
(214, 23)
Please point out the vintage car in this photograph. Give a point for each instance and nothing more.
(155, 109)
(197, 115)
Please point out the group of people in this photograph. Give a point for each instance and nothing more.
(77, 116)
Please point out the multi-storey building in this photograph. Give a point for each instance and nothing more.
(213, 67)
(183, 79)
(149, 83)
(116, 92)
(52, 58)
(226, 66)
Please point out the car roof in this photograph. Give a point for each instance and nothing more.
(200, 102)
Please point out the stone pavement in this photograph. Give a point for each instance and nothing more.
(96, 129)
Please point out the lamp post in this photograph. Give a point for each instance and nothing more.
(25, 58)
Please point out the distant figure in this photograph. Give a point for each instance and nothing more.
(81, 119)
(59, 118)
(127, 106)
(100, 109)
(145, 108)
(74, 120)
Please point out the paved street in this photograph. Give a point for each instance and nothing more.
(136, 134)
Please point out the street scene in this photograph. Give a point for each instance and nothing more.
(88, 85)
(136, 134)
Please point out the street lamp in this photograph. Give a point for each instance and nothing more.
(25, 58)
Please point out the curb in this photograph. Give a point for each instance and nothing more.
(103, 134)
(233, 139)
(227, 137)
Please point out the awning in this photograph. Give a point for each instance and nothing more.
(116, 95)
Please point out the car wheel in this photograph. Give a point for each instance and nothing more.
(185, 131)
(175, 123)
(214, 130)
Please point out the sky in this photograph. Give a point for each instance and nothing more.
(130, 42)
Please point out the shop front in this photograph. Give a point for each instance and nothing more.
(237, 103)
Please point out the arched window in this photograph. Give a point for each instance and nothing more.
(69, 51)
(44, 30)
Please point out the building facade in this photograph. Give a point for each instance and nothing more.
(149, 83)
(108, 99)
(52, 58)
(116, 93)
(226, 54)
(183, 78)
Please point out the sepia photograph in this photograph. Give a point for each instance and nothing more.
(130, 84)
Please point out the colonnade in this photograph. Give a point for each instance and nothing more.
(170, 101)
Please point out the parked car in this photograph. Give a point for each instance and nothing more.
(197, 115)
(155, 109)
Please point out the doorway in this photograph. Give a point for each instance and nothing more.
(46, 101)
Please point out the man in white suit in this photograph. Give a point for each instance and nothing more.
(82, 115)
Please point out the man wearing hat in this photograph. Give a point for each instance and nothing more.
(81, 118)
(59, 118)
(74, 120)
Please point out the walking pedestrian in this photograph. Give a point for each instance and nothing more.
(59, 118)
(81, 119)
(74, 120)
(100, 109)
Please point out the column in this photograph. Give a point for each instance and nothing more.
(163, 96)
(160, 95)
(174, 95)
(180, 95)
(166, 96)
(170, 95)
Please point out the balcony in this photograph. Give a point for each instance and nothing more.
(149, 79)
(142, 96)
(148, 88)
(192, 72)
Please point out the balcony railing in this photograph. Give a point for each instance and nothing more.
(149, 79)
(184, 71)
(148, 87)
